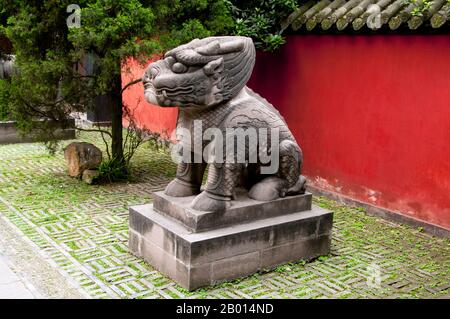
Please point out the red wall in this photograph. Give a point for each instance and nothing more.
(371, 113)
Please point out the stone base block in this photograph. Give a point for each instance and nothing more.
(243, 210)
(196, 259)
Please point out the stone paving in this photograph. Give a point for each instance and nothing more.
(27, 273)
(11, 285)
(81, 232)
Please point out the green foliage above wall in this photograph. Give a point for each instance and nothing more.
(261, 20)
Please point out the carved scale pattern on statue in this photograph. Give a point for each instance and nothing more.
(207, 80)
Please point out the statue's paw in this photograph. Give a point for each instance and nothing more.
(179, 188)
(299, 187)
(210, 203)
(268, 189)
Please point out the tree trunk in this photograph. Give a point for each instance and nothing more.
(116, 120)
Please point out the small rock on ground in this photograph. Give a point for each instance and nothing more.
(81, 156)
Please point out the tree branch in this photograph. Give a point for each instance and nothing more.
(130, 84)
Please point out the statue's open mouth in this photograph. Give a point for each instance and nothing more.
(170, 92)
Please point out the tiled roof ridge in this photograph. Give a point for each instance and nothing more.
(371, 14)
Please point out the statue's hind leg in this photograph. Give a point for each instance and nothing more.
(270, 188)
(288, 181)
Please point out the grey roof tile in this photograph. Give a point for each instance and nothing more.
(368, 14)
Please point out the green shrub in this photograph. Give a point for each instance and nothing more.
(112, 170)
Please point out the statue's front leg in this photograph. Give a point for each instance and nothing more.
(188, 181)
(219, 190)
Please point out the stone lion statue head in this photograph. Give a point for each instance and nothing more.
(201, 73)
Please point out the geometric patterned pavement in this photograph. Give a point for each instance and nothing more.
(83, 230)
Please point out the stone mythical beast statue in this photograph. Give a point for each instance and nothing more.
(207, 80)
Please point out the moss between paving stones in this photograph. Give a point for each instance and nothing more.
(84, 229)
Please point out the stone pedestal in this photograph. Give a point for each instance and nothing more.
(197, 248)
